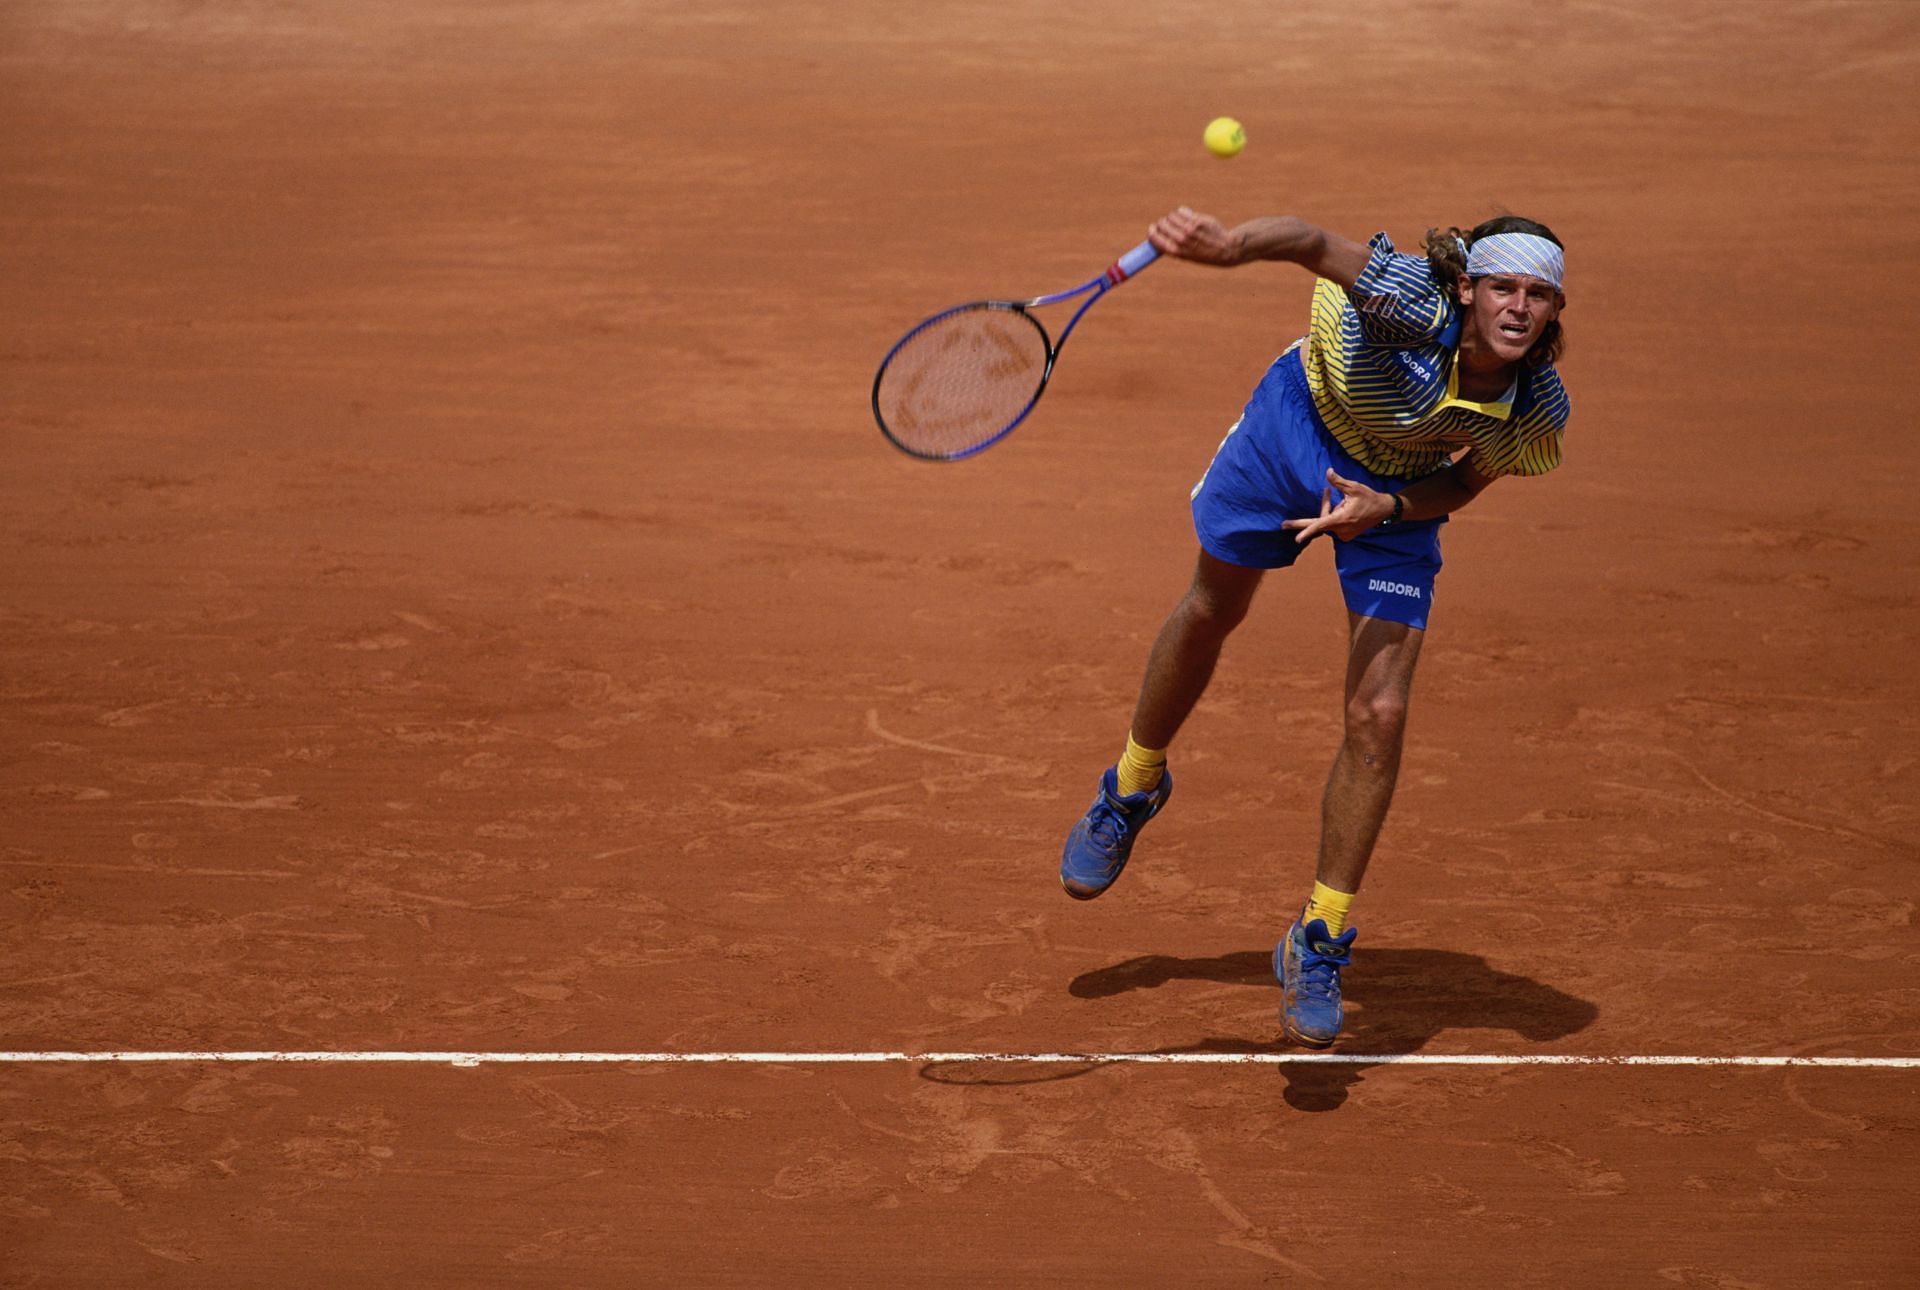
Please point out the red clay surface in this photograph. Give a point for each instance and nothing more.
(452, 596)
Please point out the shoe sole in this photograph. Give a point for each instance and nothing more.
(1287, 1029)
(1082, 895)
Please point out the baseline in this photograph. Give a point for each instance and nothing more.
(451, 1058)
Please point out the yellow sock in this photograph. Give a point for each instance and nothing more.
(1334, 906)
(1140, 768)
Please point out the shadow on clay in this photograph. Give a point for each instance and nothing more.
(988, 1073)
(1398, 1001)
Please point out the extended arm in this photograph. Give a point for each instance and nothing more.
(1361, 508)
(1189, 235)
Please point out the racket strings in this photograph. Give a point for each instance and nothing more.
(962, 380)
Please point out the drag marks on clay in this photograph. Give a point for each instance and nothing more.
(1755, 809)
(1697, 1278)
(122, 1145)
(902, 952)
(994, 760)
(225, 788)
(342, 1147)
(652, 518)
(987, 564)
(152, 870)
(960, 1135)
(1715, 832)
(1005, 998)
(824, 825)
(138, 714)
(1178, 1152)
(1446, 1203)
(1581, 1175)
(828, 1174)
(571, 1122)
(1787, 538)
(561, 1243)
(1796, 1160)
(1871, 920)
(275, 802)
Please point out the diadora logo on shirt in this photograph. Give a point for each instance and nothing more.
(1418, 364)
(1394, 588)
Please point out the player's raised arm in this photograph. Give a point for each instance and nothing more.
(1189, 235)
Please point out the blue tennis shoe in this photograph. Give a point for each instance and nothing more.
(1307, 963)
(1100, 843)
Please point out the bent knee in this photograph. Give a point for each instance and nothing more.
(1218, 598)
(1377, 723)
(1215, 615)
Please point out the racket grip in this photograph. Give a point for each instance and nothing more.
(1131, 263)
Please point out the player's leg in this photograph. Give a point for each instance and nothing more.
(1178, 668)
(1380, 662)
(1188, 647)
(1387, 576)
(1256, 481)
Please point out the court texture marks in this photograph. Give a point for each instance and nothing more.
(507, 779)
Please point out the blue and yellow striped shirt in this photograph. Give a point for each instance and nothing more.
(1381, 363)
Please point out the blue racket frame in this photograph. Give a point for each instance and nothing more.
(1116, 273)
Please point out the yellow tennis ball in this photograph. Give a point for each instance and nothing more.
(1224, 137)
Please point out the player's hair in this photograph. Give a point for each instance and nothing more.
(1447, 260)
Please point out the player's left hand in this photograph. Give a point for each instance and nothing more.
(1360, 509)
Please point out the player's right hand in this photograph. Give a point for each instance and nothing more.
(1186, 234)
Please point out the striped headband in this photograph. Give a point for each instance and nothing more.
(1517, 253)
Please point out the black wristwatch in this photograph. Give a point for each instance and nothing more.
(1399, 509)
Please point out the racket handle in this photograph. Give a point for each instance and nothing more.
(1131, 263)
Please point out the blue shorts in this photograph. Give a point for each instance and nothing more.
(1272, 467)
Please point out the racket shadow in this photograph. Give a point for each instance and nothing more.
(991, 1074)
(1398, 1000)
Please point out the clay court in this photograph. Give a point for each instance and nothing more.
(454, 599)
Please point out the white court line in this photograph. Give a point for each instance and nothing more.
(876, 1058)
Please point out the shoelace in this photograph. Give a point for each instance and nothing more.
(1105, 828)
(1319, 973)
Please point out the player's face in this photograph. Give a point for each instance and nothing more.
(1506, 313)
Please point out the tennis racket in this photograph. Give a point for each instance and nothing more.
(959, 382)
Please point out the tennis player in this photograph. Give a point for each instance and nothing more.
(1421, 380)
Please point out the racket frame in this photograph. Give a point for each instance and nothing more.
(1112, 276)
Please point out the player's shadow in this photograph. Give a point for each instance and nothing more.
(1397, 1001)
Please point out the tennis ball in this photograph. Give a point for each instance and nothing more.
(1224, 137)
